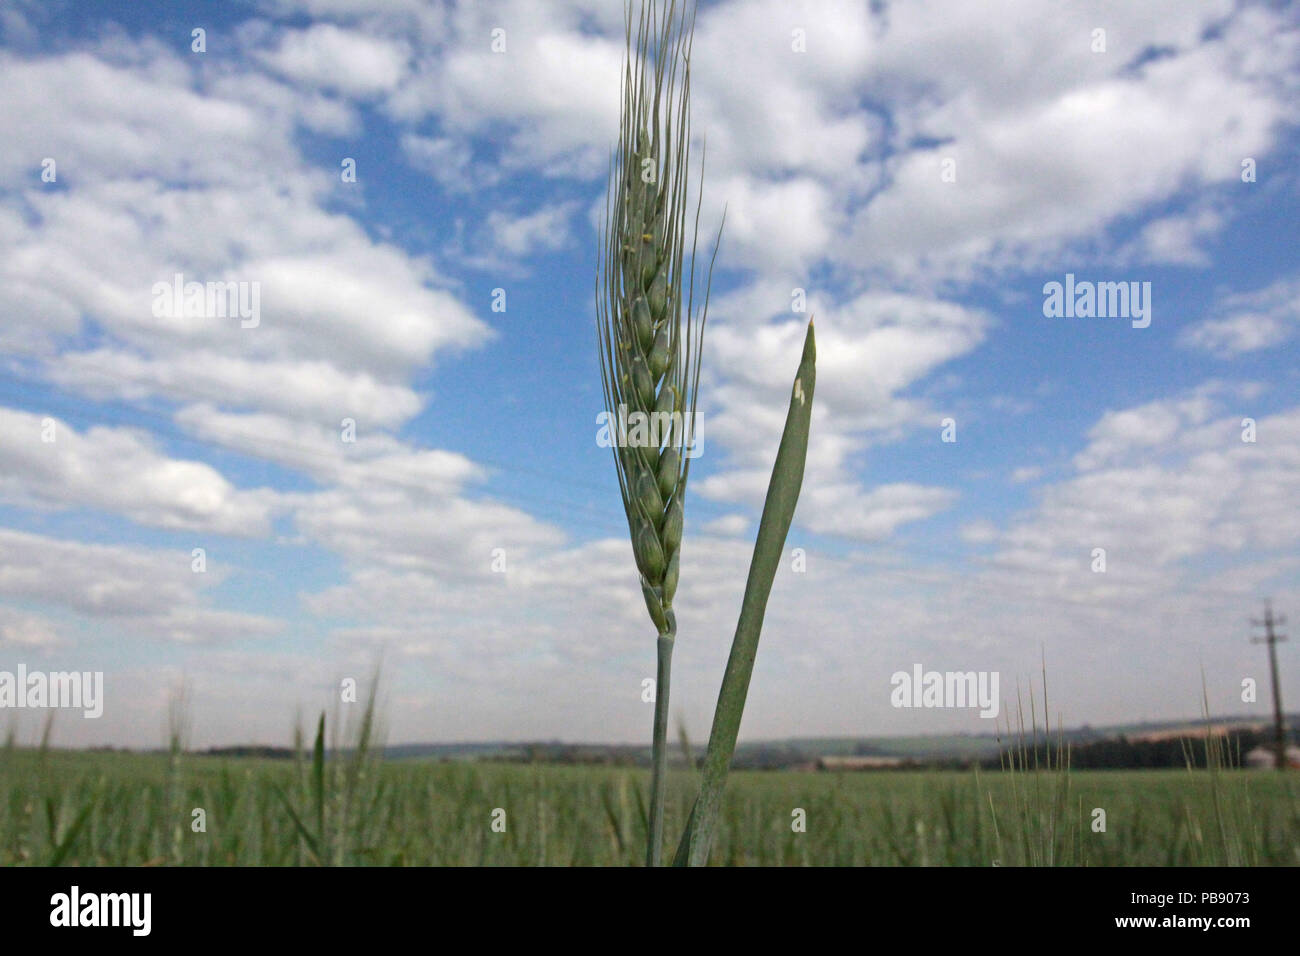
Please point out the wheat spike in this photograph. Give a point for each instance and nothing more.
(650, 339)
(649, 333)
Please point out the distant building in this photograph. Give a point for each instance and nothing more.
(1265, 758)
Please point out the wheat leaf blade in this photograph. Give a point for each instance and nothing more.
(778, 512)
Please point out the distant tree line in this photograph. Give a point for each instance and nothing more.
(1116, 753)
(250, 750)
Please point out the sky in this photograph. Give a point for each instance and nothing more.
(376, 466)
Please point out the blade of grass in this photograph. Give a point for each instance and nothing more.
(313, 846)
(688, 755)
(65, 845)
(318, 777)
(615, 821)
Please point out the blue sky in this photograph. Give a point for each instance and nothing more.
(475, 429)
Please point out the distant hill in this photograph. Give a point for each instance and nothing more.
(800, 751)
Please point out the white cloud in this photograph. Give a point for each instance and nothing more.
(384, 503)
(332, 58)
(551, 99)
(835, 158)
(451, 536)
(119, 470)
(870, 351)
(543, 230)
(1248, 321)
(1162, 483)
(334, 302)
(374, 458)
(1051, 148)
(29, 631)
(872, 515)
(729, 526)
(313, 390)
(1177, 239)
(786, 225)
(449, 161)
(143, 592)
(1145, 429)
(979, 532)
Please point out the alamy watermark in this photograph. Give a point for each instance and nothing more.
(38, 690)
(129, 910)
(1102, 300)
(957, 689)
(652, 430)
(179, 299)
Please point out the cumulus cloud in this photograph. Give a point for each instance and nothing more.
(871, 351)
(47, 463)
(449, 161)
(140, 591)
(1050, 149)
(520, 236)
(1161, 483)
(1248, 321)
(313, 390)
(334, 302)
(551, 98)
(349, 61)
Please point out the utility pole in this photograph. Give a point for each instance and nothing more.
(1271, 639)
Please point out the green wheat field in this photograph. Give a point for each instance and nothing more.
(97, 809)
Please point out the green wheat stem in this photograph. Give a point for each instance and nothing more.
(659, 750)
